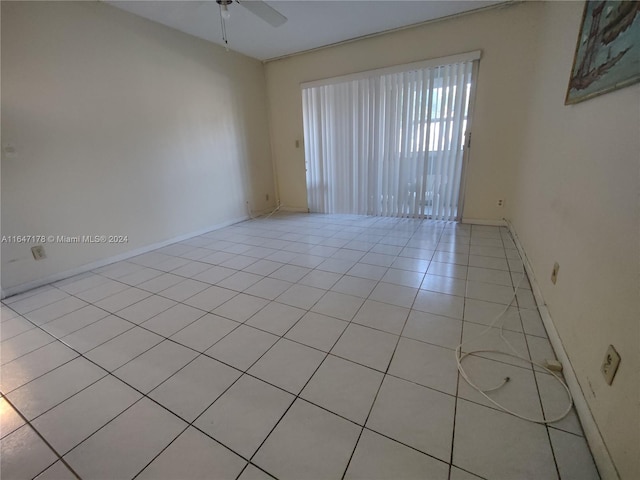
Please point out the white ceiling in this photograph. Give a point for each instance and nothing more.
(311, 24)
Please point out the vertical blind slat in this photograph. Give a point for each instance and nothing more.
(389, 145)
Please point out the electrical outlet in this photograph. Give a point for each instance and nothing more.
(38, 252)
(554, 273)
(610, 364)
(500, 202)
(267, 197)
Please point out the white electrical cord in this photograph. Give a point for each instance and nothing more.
(260, 216)
(461, 356)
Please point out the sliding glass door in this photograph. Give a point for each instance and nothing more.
(390, 142)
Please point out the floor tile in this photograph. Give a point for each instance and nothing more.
(254, 473)
(573, 456)
(75, 419)
(242, 347)
(211, 298)
(23, 344)
(344, 387)
(338, 305)
(337, 265)
(204, 332)
(145, 309)
(241, 307)
(47, 391)
(501, 453)
(439, 304)
(487, 275)
(399, 412)
(382, 316)
(301, 296)
(23, 454)
(398, 295)
(193, 456)
(320, 279)
(519, 394)
(123, 348)
(317, 331)
(141, 276)
(290, 273)
(459, 474)
(429, 365)
(184, 290)
(154, 366)
(34, 364)
(448, 270)
(366, 346)
(10, 420)
(485, 313)
(364, 270)
(97, 333)
(532, 323)
(269, 288)
(122, 299)
(246, 413)
(478, 337)
(74, 321)
(102, 291)
(263, 267)
(57, 471)
(191, 390)
(173, 320)
(488, 262)
(31, 301)
(55, 310)
(276, 318)
(214, 274)
(288, 365)
(14, 326)
(127, 444)
(448, 285)
(434, 329)
(406, 278)
(555, 401)
(411, 264)
(490, 292)
(377, 457)
(308, 443)
(358, 287)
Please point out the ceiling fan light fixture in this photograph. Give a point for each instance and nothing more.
(224, 11)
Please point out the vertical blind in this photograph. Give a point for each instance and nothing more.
(389, 142)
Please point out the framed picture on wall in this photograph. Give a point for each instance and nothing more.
(608, 50)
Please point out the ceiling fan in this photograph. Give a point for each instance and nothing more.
(257, 7)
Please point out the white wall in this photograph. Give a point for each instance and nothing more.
(122, 126)
(576, 201)
(506, 37)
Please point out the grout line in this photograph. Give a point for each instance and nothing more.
(29, 425)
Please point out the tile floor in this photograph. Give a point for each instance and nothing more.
(294, 347)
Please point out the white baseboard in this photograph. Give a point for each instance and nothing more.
(55, 277)
(601, 455)
(482, 221)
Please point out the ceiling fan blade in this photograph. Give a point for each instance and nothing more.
(264, 11)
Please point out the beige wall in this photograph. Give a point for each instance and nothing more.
(575, 201)
(122, 126)
(506, 37)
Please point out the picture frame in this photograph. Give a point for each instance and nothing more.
(607, 55)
